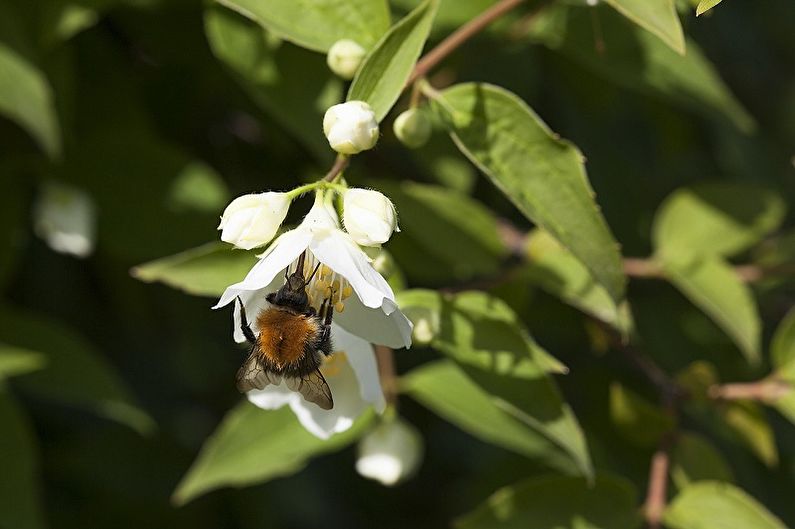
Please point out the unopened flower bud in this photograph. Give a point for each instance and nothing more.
(412, 128)
(344, 58)
(66, 219)
(252, 220)
(390, 453)
(351, 127)
(369, 216)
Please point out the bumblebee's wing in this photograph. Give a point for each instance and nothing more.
(313, 387)
(254, 375)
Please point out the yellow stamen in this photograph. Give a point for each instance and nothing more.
(333, 364)
(346, 292)
(339, 306)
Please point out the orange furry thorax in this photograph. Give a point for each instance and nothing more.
(283, 335)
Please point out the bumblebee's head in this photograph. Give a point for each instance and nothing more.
(292, 294)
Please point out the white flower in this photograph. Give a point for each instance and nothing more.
(252, 220)
(65, 218)
(592, 3)
(369, 216)
(390, 453)
(351, 127)
(364, 302)
(412, 128)
(352, 376)
(344, 58)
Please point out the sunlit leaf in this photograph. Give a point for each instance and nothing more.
(748, 421)
(317, 24)
(558, 272)
(382, 76)
(558, 502)
(636, 419)
(25, 93)
(20, 505)
(719, 218)
(445, 389)
(706, 5)
(782, 347)
(712, 285)
(708, 504)
(17, 361)
(203, 271)
(252, 445)
(657, 16)
(74, 373)
(541, 174)
(694, 459)
(639, 61)
(199, 188)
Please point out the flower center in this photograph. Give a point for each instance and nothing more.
(324, 285)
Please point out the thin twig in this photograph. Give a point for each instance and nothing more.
(387, 374)
(654, 505)
(459, 36)
(339, 166)
(767, 390)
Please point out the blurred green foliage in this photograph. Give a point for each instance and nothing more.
(117, 398)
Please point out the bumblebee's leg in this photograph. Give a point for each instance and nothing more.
(325, 337)
(244, 326)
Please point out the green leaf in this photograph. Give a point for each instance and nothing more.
(638, 61)
(709, 505)
(718, 218)
(20, 505)
(695, 459)
(558, 502)
(747, 419)
(290, 84)
(318, 24)
(74, 373)
(203, 271)
(384, 73)
(637, 420)
(706, 5)
(252, 445)
(447, 225)
(561, 274)
(445, 389)
(712, 285)
(17, 361)
(198, 188)
(782, 347)
(25, 93)
(541, 174)
(477, 329)
(656, 16)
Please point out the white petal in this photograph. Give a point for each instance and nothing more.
(338, 251)
(361, 357)
(282, 252)
(385, 325)
(348, 403)
(272, 397)
(255, 302)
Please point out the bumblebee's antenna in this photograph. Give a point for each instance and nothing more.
(313, 273)
(299, 268)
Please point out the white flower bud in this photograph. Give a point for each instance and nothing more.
(344, 58)
(390, 453)
(412, 128)
(351, 127)
(66, 219)
(369, 216)
(252, 220)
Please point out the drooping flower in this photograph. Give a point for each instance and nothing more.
(369, 216)
(252, 220)
(65, 218)
(364, 302)
(390, 453)
(352, 375)
(351, 127)
(344, 58)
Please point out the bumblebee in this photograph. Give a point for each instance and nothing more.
(293, 341)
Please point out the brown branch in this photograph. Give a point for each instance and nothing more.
(654, 505)
(340, 164)
(387, 374)
(767, 390)
(459, 36)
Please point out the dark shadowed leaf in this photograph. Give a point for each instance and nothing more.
(657, 16)
(557, 502)
(541, 174)
(636, 419)
(695, 458)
